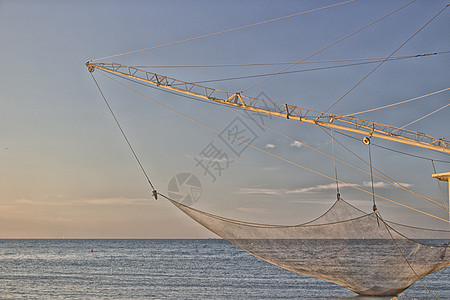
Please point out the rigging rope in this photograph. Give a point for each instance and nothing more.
(392, 181)
(421, 118)
(274, 155)
(283, 73)
(397, 151)
(226, 31)
(374, 207)
(386, 177)
(125, 137)
(289, 63)
(335, 168)
(438, 181)
(326, 47)
(397, 103)
(379, 65)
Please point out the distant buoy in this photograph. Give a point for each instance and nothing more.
(92, 250)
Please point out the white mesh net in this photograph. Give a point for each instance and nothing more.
(345, 245)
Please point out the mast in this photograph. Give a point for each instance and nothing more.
(345, 123)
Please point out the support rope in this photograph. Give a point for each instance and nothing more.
(370, 59)
(335, 168)
(379, 65)
(438, 183)
(228, 30)
(284, 72)
(398, 103)
(386, 177)
(326, 47)
(154, 193)
(421, 118)
(374, 207)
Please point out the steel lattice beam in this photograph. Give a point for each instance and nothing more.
(345, 123)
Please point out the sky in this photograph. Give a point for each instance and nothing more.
(67, 172)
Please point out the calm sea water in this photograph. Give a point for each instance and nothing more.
(162, 269)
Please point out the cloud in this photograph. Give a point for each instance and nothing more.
(114, 201)
(379, 184)
(25, 201)
(296, 144)
(404, 184)
(382, 184)
(222, 159)
(311, 189)
(331, 186)
(257, 210)
(247, 191)
(271, 146)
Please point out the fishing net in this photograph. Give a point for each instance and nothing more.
(345, 245)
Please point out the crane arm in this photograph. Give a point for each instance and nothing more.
(345, 123)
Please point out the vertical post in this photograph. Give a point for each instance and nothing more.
(445, 177)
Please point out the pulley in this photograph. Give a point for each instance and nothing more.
(90, 67)
(366, 140)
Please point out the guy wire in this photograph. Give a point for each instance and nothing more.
(123, 134)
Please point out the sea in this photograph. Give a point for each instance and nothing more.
(163, 269)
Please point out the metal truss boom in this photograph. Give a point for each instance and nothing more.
(344, 123)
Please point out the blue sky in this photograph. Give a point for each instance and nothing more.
(67, 172)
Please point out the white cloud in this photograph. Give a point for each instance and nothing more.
(382, 184)
(404, 184)
(271, 146)
(223, 159)
(257, 191)
(379, 184)
(296, 144)
(252, 210)
(115, 201)
(331, 186)
(317, 188)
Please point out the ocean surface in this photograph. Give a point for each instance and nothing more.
(163, 269)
